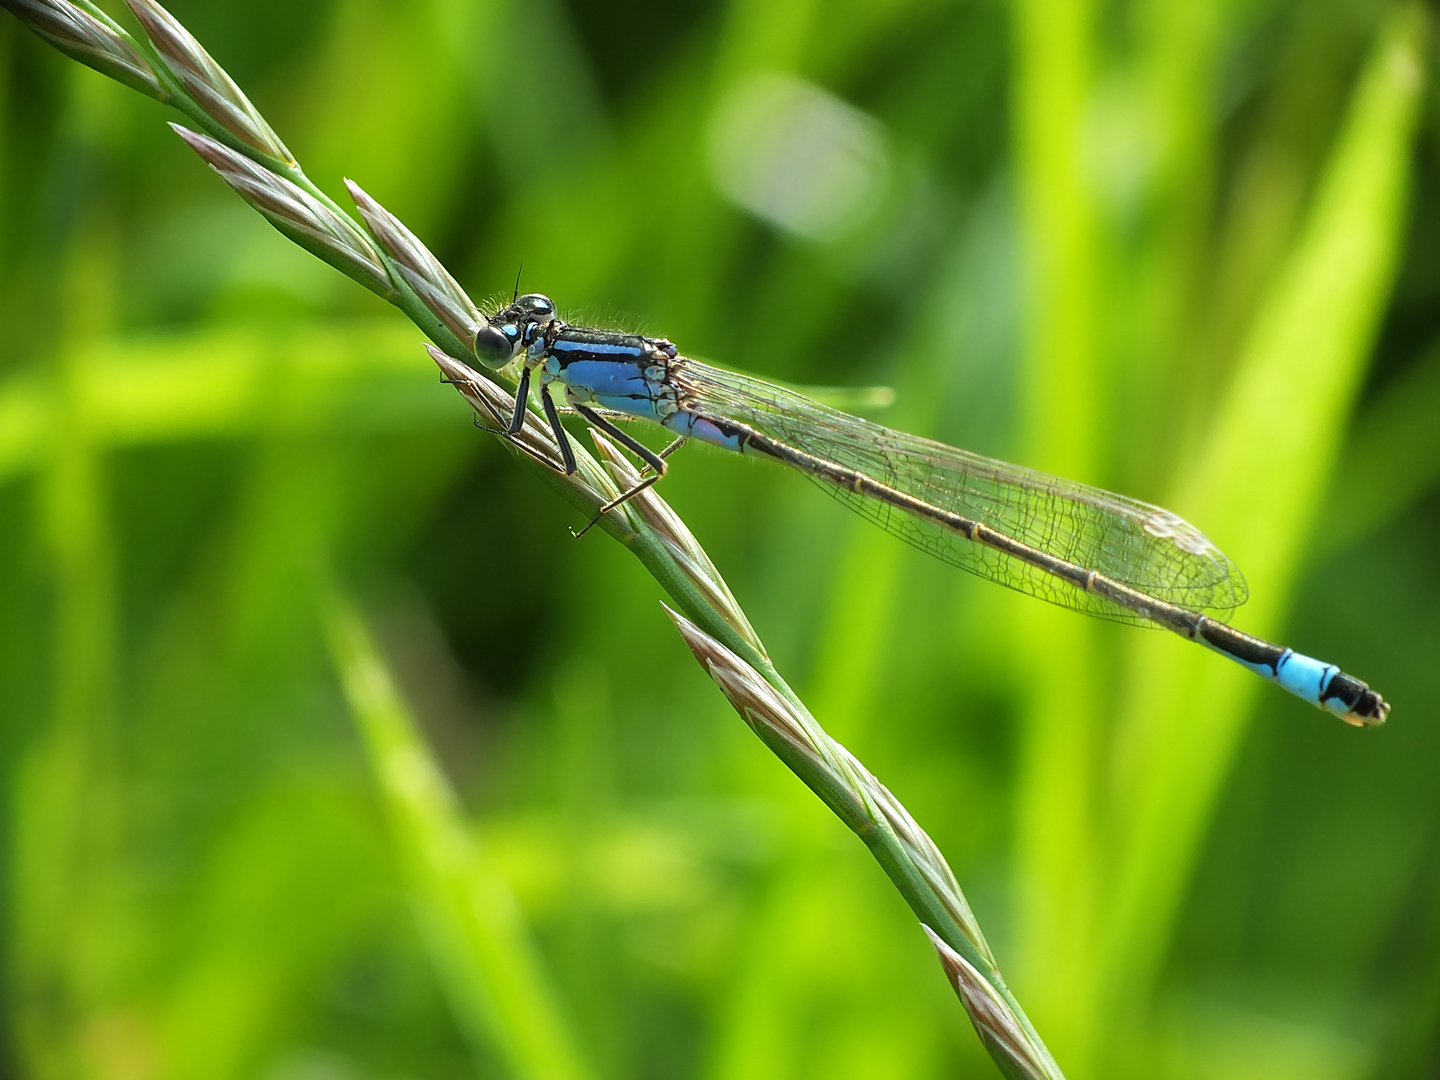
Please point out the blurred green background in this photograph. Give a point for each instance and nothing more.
(1190, 251)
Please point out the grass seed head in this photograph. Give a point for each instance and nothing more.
(994, 1020)
(206, 82)
(91, 39)
(295, 212)
(424, 273)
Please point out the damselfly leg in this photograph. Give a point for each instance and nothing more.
(654, 463)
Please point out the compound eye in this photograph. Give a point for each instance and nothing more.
(536, 305)
(493, 347)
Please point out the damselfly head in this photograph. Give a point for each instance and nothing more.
(513, 328)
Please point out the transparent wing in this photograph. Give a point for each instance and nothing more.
(1142, 546)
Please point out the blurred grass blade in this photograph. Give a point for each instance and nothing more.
(90, 37)
(1064, 282)
(206, 82)
(479, 944)
(67, 797)
(1258, 487)
(1393, 458)
(309, 222)
(25, 415)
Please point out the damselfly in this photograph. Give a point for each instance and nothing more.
(1068, 543)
